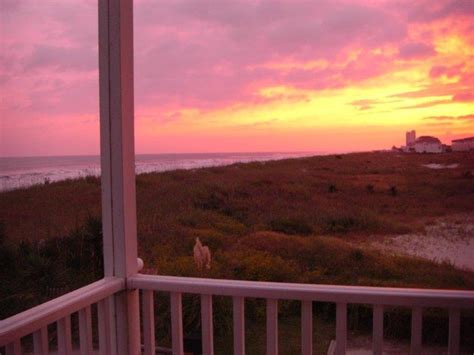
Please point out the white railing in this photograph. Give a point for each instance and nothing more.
(36, 320)
(378, 297)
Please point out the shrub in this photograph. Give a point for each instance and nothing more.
(212, 200)
(260, 266)
(340, 223)
(46, 266)
(393, 191)
(291, 226)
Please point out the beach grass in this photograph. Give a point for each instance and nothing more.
(294, 220)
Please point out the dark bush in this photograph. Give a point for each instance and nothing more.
(393, 191)
(214, 200)
(48, 268)
(291, 226)
(342, 224)
(357, 255)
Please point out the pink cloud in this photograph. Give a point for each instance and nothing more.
(428, 11)
(467, 96)
(207, 54)
(440, 70)
(243, 35)
(416, 51)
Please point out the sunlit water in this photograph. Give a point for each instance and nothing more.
(27, 171)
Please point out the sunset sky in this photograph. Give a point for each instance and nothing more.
(242, 75)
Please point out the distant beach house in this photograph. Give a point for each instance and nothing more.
(462, 145)
(410, 138)
(428, 144)
(423, 144)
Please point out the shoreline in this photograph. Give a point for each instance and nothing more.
(15, 178)
(16, 174)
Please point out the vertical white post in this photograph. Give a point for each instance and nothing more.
(454, 330)
(40, 341)
(177, 323)
(13, 348)
(106, 322)
(377, 329)
(118, 163)
(64, 336)
(148, 312)
(85, 331)
(272, 327)
(416, 330)
(206, 323)
(239, 325)
(307, 327)
(341, 328)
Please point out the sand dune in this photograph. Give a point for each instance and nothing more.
(448, 240)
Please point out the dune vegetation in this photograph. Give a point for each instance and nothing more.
(295, 220)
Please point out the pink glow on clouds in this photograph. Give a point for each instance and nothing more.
(199, 62)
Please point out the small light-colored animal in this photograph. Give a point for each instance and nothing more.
(202, 255)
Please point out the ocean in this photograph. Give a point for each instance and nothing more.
(21, 172)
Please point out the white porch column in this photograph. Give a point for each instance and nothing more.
(118, 165)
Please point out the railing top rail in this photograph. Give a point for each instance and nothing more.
(26, 322)
(292, 291)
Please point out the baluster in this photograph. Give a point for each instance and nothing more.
(416, 330)
(307, 327)
(177, 323)
(454, 328)
(148, 322)
(14, 348)
(206, 322)
(377, 329)
(341, 328)
(85, 331)
(272, 327)
(104, 309)
(239, 325)
(64, 336)
(40, 341)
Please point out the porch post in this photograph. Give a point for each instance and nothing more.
(118, 165)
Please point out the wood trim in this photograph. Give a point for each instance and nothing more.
(40, 316)
(118, 164)
(292, 291)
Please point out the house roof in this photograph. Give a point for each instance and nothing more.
(427, 139)
(468, 139)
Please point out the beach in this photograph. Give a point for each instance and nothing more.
(20, 172)
(368, 219)
(447, 240)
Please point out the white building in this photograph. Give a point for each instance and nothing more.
(410, 138)
(428, 144)
(462, 145)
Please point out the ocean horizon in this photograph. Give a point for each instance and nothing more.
(20, 172)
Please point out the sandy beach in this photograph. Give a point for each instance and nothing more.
(449, 240)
